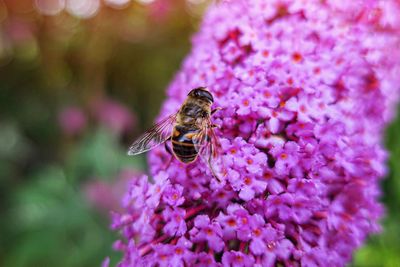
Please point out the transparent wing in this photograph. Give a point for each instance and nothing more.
(155, 136)
(208, 147)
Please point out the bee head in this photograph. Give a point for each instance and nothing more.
(202, 93)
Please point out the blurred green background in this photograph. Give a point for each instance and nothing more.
(79, 79)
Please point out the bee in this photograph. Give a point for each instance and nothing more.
(190, 131)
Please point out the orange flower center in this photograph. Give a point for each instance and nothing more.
(267, 175)
(267, 94)
(179, 251)
(239, 258)
(231, 222)
(163, 257)
(209, 232)
(257, 232)
(265, 53)
(297, 57)
(247, 181)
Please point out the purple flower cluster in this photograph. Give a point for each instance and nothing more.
(113, 115)
(306, 88)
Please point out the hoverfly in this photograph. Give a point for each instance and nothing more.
(190, 131)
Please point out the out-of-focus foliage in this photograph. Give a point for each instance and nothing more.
(49, 221)
(78, 81)
(77, 58)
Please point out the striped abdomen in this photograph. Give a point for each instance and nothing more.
(182, 143)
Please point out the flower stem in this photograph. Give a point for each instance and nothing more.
(147, 248)
(194, 211)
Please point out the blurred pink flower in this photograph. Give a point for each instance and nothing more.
(72, 120)
(106, 196)
(101, 195)
(19, 30)
(50, 7)
(159, 10)
(114, 116)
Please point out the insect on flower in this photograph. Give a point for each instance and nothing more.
(190, 131)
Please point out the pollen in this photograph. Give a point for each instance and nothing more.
(209, 232)
(247, 181)
(246, 102)
(283, 156)
(265, 53)
(175, 196)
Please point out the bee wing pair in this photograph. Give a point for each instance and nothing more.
(206, 143)
(153, 137)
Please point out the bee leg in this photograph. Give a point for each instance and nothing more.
(215, 126)
(211, 166)
(215, 110)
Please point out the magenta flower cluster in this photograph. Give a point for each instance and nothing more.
(306, 88)
(106, 112)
